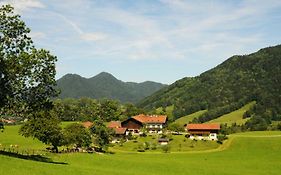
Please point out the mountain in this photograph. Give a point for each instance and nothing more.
(105, 85)
(227, 87)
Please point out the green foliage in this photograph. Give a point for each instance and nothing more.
(87, 109)
(45, 128)
(165, 148)
(176, 127)
(279, 126)
(1, 126)
(27, 75)
(101, 134)
(221, 138)
(227, 87)
(77, 134)
(104, 85)
(257, 123)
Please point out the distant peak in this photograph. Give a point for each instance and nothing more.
(104, 74)
(71, 75)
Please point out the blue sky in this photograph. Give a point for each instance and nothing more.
(158, 40)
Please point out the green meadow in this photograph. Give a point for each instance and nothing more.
(188, 118)
(246, 153)
(235, 116)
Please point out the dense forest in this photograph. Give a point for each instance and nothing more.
(105, 85)
(227, 87)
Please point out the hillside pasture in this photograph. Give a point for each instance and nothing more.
(188, 118)
(235, 116)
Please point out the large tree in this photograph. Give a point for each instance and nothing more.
(77, 134)
(27, 74)
(46, 128)
(27, 79)
(101, 134)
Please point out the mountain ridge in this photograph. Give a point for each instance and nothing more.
(105, 85)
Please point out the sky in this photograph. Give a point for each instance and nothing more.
(156, 40)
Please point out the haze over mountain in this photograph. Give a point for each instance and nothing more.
(227, 87)
(105, 85)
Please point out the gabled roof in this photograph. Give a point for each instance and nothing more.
(212, 126)
(119, 130)
(114, 124)
(151, 118)
(87, 124)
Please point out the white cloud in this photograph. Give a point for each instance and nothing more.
(92, 36)
(23, 5)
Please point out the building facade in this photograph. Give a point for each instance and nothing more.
(203, 131)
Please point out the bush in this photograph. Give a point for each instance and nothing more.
(146, 145)
(141, 147)
(279, 126)
(165, 148)
(221, 138)
(153, 146)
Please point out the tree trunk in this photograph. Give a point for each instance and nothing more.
(56, 149)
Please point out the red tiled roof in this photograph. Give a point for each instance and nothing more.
(151, 118)
(120, 130)
(87, 124)
(114, 124)
(8, 121)
(203, 126)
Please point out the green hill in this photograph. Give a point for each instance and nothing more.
(235, 116)
(105, 85)
(228, 87)
(186, 119)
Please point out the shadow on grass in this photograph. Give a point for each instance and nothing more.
(38, 158)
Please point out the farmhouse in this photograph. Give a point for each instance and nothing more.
(132, 125)
(87, 124)
(203, 131)
(163, 141)
(118, 129)
(153, 123)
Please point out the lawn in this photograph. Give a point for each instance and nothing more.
(235, 116)
(242, 154)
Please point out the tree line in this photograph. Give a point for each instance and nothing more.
(88, 109)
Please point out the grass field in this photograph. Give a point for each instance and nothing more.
(254, 153)
(186, 119)
(235, 116)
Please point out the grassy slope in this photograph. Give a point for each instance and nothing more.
(11, 136)
(186, 119)
(235, 116)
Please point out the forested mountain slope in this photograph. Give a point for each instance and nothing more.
(227, 87)
(105, 85)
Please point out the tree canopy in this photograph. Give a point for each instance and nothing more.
(27, 74)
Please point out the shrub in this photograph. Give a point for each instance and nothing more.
(146, 145)
(153, 146)
(165, 148)
(221, 138)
